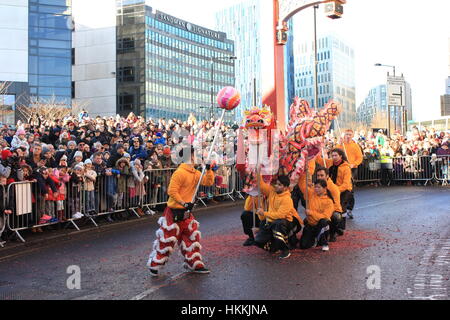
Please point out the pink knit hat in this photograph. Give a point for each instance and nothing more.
(20, 131)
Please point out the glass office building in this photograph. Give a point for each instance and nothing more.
(50, 48)
(35, 57)
(168, 67)
(335, 75)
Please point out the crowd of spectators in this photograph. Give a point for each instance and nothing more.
(91, 156)
(79, 154)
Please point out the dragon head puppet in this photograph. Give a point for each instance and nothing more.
(304, 139)
(256, 122)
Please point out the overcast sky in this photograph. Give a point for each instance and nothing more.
(413, 35)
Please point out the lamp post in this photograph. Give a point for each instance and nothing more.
(212, 59)
(389, 107)
(316, 85)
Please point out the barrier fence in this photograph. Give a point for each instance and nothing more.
(137, 193)
(3, 216)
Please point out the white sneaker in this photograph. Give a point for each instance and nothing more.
(325, 248)
(78, 215)
(150, 212)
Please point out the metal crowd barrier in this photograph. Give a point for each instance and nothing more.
(3, 216)
(412, 168)
(441, 165)
(29, 207)
(112, 194)
(369, 171)
(223, 185)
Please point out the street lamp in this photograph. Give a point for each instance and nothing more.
(212, 59)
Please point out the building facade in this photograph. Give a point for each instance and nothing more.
(335, 75)
(35, 52)
(241, 23)
(144, 61)
(244, 24)
(373, 110)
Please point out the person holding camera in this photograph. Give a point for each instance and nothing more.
(178, 225)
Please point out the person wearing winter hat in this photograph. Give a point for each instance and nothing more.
(5, 168)
(19, 139)
(77, 159)
(89, 186)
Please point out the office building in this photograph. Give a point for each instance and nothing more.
(35, 53)
(165, 67)
(336, 74)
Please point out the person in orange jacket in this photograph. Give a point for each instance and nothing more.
(336, 219)
(355, 157)
(341, 175)
(320, 208)
(281, 222)
(178, 225)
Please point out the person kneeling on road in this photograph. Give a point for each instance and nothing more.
(280, 224)
(336, 219)
(320, 208)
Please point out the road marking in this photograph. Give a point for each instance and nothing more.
(155, 288)
(385, 202)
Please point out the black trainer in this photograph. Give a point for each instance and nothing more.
(153, 272)
(249, 242)
(201, 270)
(284, 254)
(350, 214)
(332, 237)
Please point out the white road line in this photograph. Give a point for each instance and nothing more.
(385, 202)
(153, 289)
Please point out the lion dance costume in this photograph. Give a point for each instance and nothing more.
(178, 226)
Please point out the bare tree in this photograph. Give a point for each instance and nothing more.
(379, 120)
(40, 110)
(6, 111)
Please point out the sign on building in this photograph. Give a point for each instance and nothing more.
(396, 91)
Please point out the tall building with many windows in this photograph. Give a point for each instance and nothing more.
(373, 110)
(165, 67)
(243, 23)
(336, 75)
(35, 52)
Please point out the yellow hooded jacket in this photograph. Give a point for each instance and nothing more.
(183, 182)
(321, 207)
(281, 205)
(354, 154)
(344, 175)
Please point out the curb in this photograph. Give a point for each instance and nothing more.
(14, 249)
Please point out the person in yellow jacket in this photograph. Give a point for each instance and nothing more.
(355, 158)
(178, 225)
(336, 219)
(320, 208)
(249, 217)
(341, 175)
(297, 195)
(280, 223)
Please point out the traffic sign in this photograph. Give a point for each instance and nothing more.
(396, 91)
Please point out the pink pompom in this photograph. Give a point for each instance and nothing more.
(228, 98)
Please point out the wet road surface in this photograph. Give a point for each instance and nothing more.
(401, 234)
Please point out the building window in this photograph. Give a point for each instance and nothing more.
(73, 56)
(125, 74)
(126, 102)
(73, 89)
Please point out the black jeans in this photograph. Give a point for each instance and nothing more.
(336, 223)
(297, 196)
(277, 235)
(247, 222)
(310, 233)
